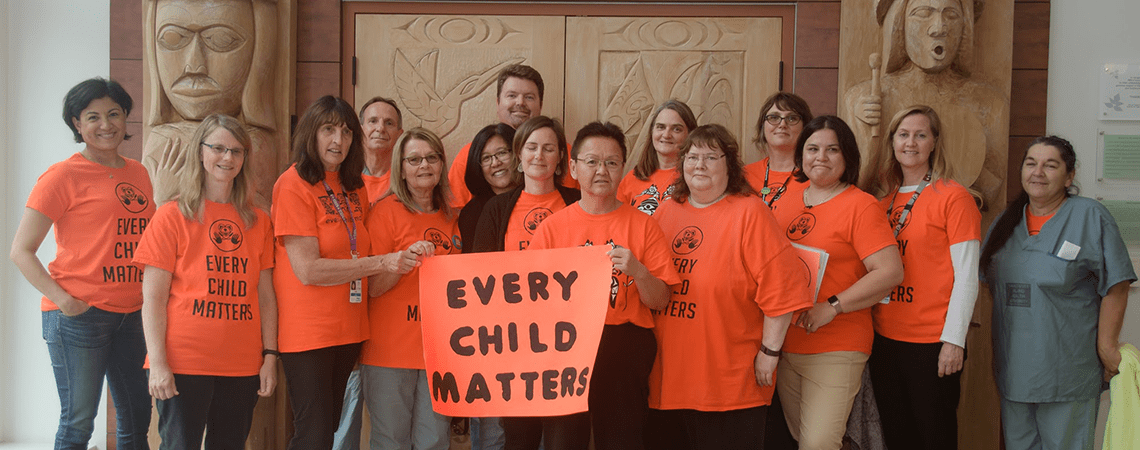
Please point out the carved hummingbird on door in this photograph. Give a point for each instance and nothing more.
(415, 83)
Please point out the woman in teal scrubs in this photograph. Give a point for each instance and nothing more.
(1059, 274)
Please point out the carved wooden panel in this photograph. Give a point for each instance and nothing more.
(441, 70)
(620, 68)
(225, 56)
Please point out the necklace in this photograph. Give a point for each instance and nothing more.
(831, 193)
(697, 204)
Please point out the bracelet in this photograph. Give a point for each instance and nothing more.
(767, 351)
(834, 301)
(271, 352)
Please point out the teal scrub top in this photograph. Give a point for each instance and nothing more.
(1047, 291)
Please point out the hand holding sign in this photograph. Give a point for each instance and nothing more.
(513, 333)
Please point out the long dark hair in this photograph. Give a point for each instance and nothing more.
(476, 183)
(1013, 214)
(328, 110)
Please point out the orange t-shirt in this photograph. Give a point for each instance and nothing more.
(213, 320)
(530, 210)
(943, 215)
(754, 173)
(849, 227)
(457, 173)
(397, 340)
(733, 272)
(1034, 223)
(312, 317)
(627, 227)
(376, 186)
(99, 214)
(647, 195)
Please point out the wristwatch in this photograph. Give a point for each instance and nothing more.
(834, 301)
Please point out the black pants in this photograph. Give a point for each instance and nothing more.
(570, 432)
(619, 391)
(918, 409)
(316, 380)
(687, 429)
(222, 407)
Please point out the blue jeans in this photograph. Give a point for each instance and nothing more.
(347, 435)
(84, 349)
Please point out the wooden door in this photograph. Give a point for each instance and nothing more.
(441, 70)
(619, 69)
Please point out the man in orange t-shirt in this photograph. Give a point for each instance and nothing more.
(518, 96)
(383, 124)
(642, 274)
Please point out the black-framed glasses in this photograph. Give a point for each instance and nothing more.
(417, 160)
(503, 156)
(221, 150)
(790, 119)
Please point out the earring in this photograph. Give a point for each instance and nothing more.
(519, 168)
(558, 171)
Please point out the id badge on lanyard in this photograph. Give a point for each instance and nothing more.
(355, 287)
(904, 215)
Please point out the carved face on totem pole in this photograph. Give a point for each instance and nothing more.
(933, 31)
(203, 51)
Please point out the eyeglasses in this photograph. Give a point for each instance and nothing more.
(417, 160)
(502, 156)
(592, 164)
(774, 119)
(711, 158)
(221, 150)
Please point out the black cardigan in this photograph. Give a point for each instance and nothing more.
(492, 226)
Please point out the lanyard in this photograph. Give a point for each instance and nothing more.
(767, 190)
(340, 211)
(909, 204)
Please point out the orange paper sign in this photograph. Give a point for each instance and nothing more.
(513, 333)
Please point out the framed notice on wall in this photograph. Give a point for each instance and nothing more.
(1120, 91)
(1119, 156)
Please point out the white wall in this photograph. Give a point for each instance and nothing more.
(5, 161)
(1083, 36)
(50, 45)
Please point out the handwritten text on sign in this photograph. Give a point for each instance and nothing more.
(513, 333)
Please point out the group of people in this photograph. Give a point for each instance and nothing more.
(712, 310)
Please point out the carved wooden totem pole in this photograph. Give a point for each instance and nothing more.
(928, 57)
(215, 56)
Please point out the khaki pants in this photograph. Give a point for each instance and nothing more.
(816, 392)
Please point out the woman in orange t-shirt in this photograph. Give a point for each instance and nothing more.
(920, 333)
(719, 337)
(782, 120)
(417, 216)
(209, 311)
(99, 204)
(508, 223)
(824, 355)
(650, 183)
(322, 259)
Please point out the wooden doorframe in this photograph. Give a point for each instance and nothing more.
(787, 12)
